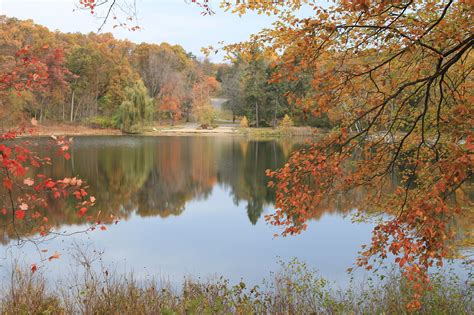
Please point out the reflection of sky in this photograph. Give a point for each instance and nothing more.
(214, 237)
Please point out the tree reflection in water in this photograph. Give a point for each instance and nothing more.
(157, 176)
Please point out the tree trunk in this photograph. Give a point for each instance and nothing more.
(275, 115)
(187, 114)
(72, 105)
(41, 110)
(256, 114)
(171, 119)
(77, 111)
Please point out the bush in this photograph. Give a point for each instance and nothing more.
(286, 122)
(244, 122)
(205, 114)
(102, 122)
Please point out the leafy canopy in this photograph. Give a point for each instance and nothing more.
(396, 76)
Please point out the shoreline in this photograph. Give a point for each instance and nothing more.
(72, 130)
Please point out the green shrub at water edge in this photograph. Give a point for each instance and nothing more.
(102, 122)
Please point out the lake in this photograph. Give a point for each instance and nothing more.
(191, 206)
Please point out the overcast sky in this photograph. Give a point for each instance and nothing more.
(171, 21)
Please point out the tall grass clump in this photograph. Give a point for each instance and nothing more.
(294, 289)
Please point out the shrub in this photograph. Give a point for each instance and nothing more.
(205, 114)
(244, 122)
(286, 122)
(102, 122)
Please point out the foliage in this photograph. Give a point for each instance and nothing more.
(396, 79)
(102, 122)
(27, 192)
(203, 110)
(26, 199)
(246, 84)
(286, 123)
(87, 75)
(244, 122)
(205, 114)
(136, 109)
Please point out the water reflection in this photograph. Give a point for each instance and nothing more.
(158, 176)
(194, 205)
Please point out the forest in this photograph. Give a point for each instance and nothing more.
(100, 81)
(385, 89)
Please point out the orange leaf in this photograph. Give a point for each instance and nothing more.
(56, 255)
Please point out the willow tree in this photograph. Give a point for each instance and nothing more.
(137, 109)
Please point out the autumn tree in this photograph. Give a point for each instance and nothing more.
(55, 91)
(26, 192)
(402, 73)
(202, 107)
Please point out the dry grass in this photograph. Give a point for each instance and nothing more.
(293, 290)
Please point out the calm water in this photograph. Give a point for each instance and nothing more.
(191, 206)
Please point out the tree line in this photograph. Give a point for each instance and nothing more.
(105, 82)
(99, 79)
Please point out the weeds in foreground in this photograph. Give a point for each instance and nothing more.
(295, 289)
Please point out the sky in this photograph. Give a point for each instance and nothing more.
(172, 21)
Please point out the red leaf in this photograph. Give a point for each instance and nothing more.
(7, 183)
(50, 184)
(82, 211)
(20, 214)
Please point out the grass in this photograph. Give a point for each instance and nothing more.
(279, 132)
(294, 289)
